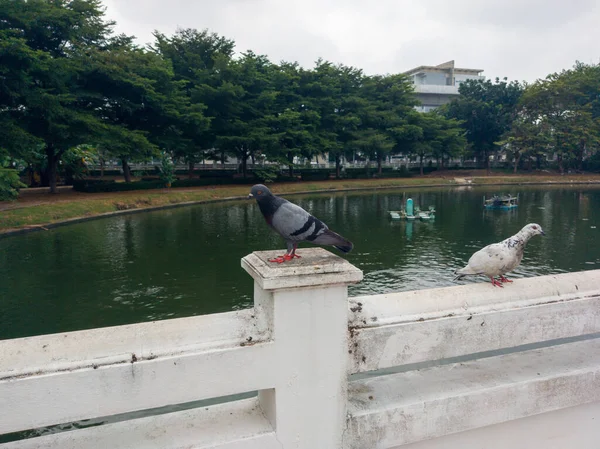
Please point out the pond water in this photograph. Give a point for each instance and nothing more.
(186, 261)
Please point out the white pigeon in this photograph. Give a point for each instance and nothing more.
(500, 258)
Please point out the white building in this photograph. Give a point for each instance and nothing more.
(438, 85)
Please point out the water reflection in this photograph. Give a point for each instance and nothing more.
(184, 262)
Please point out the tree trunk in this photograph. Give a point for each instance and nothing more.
(421, 164)
(529, 164)
(102, 164)
(538, 162)
(379, 167)
(191, 169)
(223, 158)
(44, 178)
(290, 157)
(517, 159)
(580, 155)
(244, 163)
(488, 169)
(126, 170)
(30, 175)
(561, 168)
(337, 166)
(52, 168)
(443, 163)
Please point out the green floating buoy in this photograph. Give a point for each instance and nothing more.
(409, 208)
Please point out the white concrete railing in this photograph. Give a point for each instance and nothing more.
(298, 345)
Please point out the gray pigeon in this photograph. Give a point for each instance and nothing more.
(500, 258)
(294, 224)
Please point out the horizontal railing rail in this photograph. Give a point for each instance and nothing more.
(298, 348)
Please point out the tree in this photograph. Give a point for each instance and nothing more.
(141, 105)
(567, 109)
(452, 141)
(294, 122)
(333, 91)
(527, 137)
(387, 102)
(486, 111)
(247, 131)
(52, 40)
(201, 60)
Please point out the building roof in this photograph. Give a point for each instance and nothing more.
(444, 67)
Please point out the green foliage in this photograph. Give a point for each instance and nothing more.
(200, 61)
(384, 107)
(9, 184)
(333, 92)
(486, 110)
(267, 173)
(75, 162)
(167, 170)
(561, 116)
(70, 86)
(44, 48)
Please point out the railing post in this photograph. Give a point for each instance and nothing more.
(303, 306)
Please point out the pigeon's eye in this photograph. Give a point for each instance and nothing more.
(259, 192)
(534, 228)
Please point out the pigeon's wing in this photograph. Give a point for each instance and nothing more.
(295, 224)
(328, 237)
(491, 260)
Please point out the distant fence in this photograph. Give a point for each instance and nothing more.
(395, 163)
(440, 368)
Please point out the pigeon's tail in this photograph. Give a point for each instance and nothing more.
(462, 272)
(331, 238)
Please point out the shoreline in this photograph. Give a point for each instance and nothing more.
(27, 228)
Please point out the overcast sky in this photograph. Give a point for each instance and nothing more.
(520, 39)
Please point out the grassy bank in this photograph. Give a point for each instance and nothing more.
(39, 209)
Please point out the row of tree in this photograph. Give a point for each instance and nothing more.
(68, 81)
(557, 117)
(70, 88)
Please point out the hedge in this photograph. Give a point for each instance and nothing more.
(98, 185)
(107, 172)
(315, 175)
(228, 178)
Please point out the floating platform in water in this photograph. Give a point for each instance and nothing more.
(502, 202)
(411, 212)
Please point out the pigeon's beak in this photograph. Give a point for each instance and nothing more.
(250, 196)
(542, 232)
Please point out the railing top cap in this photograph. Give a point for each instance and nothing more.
(316, 266)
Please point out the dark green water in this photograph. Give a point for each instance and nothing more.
(186, 261)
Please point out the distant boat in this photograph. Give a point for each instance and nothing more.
(411, 212)
(503, 202)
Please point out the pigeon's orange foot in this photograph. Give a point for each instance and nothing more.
(284, 258)
(503, 279)
(496, 283)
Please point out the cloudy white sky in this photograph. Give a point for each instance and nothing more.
(520, 39)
